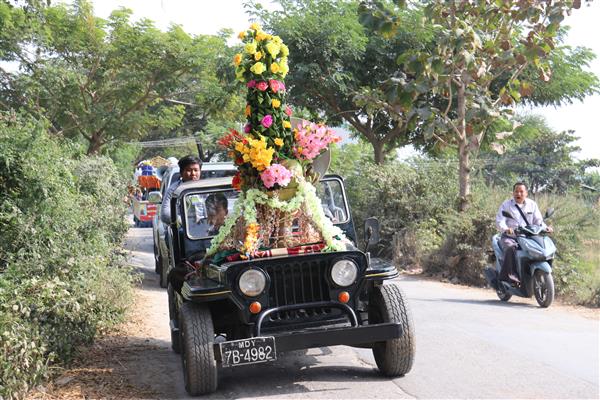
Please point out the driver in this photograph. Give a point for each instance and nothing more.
(216, 210)
(525, 212)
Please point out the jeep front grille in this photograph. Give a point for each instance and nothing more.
(298, 282)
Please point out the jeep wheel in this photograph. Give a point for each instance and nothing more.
(197, 337)
(175, 336)
(393, 357)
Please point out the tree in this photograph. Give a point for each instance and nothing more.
(542, 157)
(212, 104)
(104, 81)
(479, 53)
(334, 59)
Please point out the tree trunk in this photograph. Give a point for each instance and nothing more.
(464, 175)
(378, 153)
(95, 145)
(464, 151)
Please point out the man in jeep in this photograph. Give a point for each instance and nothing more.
(189, 167)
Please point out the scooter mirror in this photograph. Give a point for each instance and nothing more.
(549, 213)
(507, 214)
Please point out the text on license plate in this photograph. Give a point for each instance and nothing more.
(247, 351)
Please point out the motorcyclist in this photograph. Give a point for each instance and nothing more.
(524, 212)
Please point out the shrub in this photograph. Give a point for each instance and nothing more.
(415, 203)
(60, 226)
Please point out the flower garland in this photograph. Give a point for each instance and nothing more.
(306, 194)
(269, 154)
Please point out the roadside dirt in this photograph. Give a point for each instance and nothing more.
(104, 370)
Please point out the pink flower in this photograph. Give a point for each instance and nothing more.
(282, 86)
(288, 111)
(247, 128)
(311, 139)
(267, 121)
(276, 174)
(262, 86)
(275, 85)
(251, 84)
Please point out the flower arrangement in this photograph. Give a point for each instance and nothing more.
(271, 156)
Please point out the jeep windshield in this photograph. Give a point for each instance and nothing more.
(206, 211)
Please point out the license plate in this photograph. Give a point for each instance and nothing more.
(247, 351)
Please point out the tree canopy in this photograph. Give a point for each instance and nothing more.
(106, 81)
(475, 67)
(334, 58)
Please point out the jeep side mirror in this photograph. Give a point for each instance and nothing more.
(155, 197)
(507, 214)
(371, 232)
(549, 213)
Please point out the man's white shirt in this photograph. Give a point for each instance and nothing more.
(529, 208)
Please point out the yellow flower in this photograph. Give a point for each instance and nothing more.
(284, 50)
(260, 36)
(274, 68)
(242, 35)
(275, 103)
(248, 111)
(255, 26)
(287, 125)
(283, 69)
(258, 68)
(278, 142)
(277, 39)
(250, 47)
(239, 147)
(237, 59)
(273, 48)
(258, 55)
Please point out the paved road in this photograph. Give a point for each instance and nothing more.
(469, 345)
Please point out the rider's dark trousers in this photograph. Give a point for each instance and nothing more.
(509, 264)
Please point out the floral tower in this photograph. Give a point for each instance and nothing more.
(278, 206)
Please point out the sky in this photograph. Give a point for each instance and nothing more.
(208, 17)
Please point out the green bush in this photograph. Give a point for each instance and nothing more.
(61, 224)
(409, 199)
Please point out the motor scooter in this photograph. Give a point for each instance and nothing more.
(534, 257)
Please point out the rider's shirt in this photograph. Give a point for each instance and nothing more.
(529, 208)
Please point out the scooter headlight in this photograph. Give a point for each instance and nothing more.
(344, 272)
(252, 282)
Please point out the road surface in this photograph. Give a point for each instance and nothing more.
(469, 345)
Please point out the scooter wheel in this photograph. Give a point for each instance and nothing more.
(503, 295)
(543, 288)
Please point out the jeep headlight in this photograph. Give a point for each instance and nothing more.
(252, 282)
(344, 272)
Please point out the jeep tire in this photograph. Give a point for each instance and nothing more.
(197, 337)
(394, 357)
(175, 333)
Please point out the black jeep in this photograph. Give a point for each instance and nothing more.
(238, 312)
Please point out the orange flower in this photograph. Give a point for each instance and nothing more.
(248, 111)
(237, 59)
